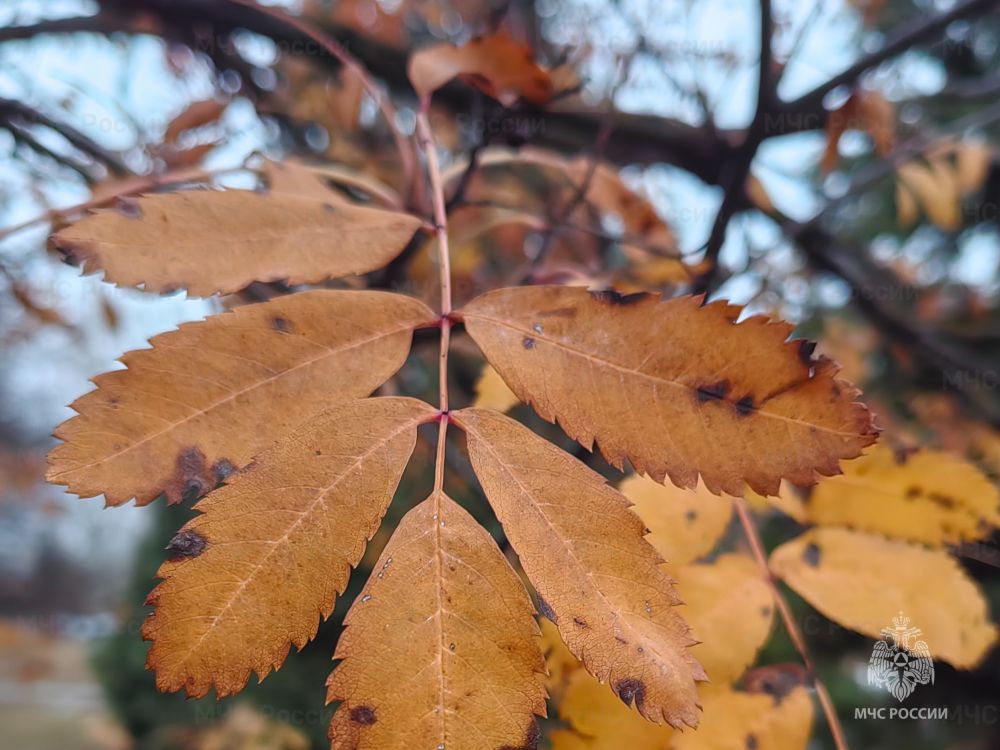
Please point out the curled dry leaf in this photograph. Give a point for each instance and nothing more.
(864, 110)
(926, 496)
(683, 524)
(205, 399)
(495, 64)
(211, 242)
(862, 581)
(677, 388)
(596, 577)
(271, 550)
(440, 649)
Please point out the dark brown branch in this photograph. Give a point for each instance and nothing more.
(920, 31)
(739, 167)
(14, 113)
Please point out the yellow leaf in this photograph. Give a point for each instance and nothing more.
(730, 610)
(270, 551)
(935, 189)
(972, 163)
(683, 524)
(675, 387)
(493, 393)
(596, 577)
(787, 501)
(559, 660)
(598, 720)
(440, 649)
(211, 242)
(907, 211)
(926, 496)
(734, 720)
(205, 399)
(862, 581)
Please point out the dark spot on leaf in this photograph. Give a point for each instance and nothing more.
(744, 407)
(691, 515)
(281, 324)
(611, 297)
(751, 742)
(777, 680)
(621, 640)
(188, 543)
(528, 342)
(713, 392)
(580, 622)
(530, 739)
(72, 253)
(223, 469)
(806, 350)
(811, 555)
(129, 208)
(364, 715)
(912, 492)
(329, 208)
(191, 477)
(941, 500)
(631, 691)
(546, 611)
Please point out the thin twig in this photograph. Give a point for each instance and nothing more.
(750, 529)
(444, 267)
(132, 187)
(337, 50)
(734, 183)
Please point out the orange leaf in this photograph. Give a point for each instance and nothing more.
(221, 241)
(440, 649)
(597, 579)
(495, 64)
(207, 398)
(272, 549)
(677, 388)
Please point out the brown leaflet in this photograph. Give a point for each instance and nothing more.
(440, 649)
(677, 388)
(583, 549)
(210, 242)
(271, 550)
(210, 396)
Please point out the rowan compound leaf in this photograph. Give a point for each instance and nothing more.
(208, 397)
(684, 525)
(926, 496)
(271, 550)
(599, 721)
(730, 610)
(211, 242)
(677, 388)
(597, 579)
(495, 64)
(440, 649)
(862, 581)
(736, 720)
